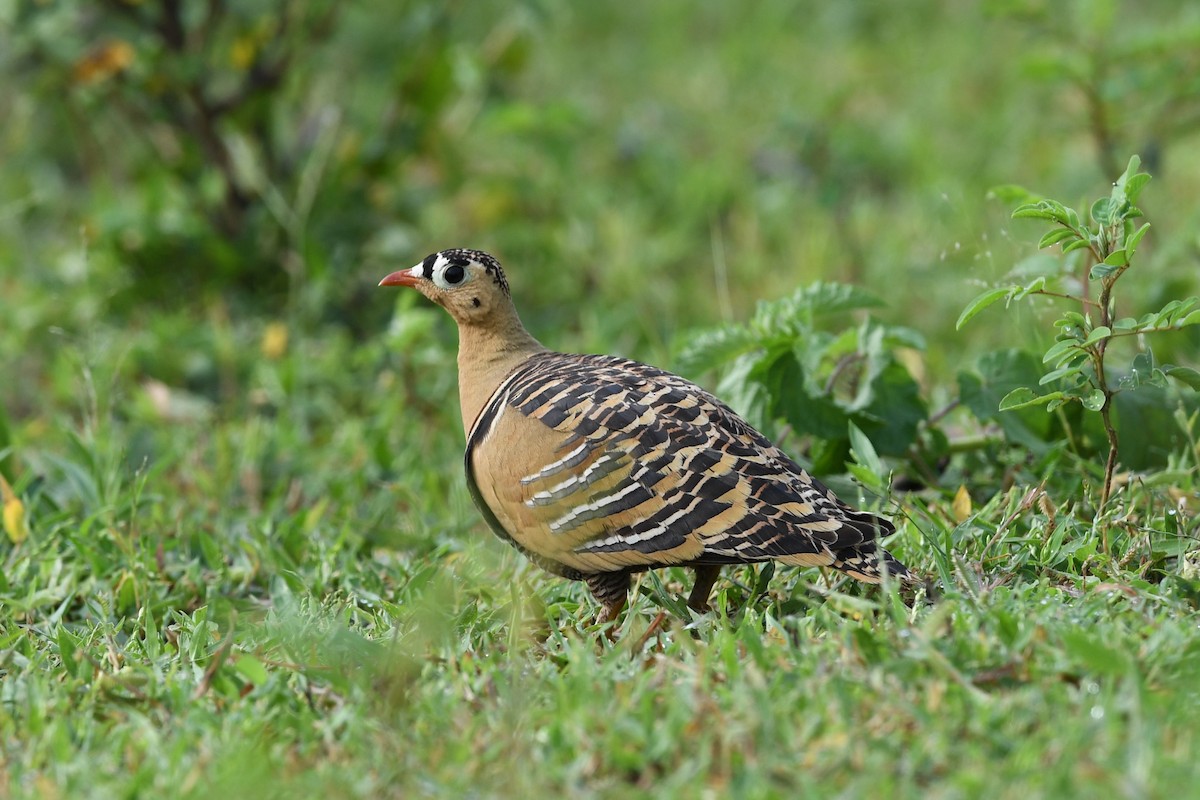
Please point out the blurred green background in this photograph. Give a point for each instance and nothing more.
(186, 183)
(212, 413)
(640, 170)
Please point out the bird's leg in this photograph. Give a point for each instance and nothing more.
(612, 590)
(706, 576)
(610, 611)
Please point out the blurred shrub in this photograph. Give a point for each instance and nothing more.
(267, 140)
(1132, 87)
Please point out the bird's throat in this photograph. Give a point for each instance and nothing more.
(486, 355)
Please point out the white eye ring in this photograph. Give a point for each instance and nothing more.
(449, 274)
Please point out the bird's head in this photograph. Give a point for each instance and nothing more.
(468, 283)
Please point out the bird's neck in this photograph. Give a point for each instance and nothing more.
(486, 355)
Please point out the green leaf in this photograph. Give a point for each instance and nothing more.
(1185, 375)
(1143, 364)
(791, 398)
(825, 297)
(1180, 312)
(1146, 426)
(1035, 285)
(895, 412)
(1061, 372)
(1078, 244)
(999, 372)
(789, 316)
(1099, 333)
(1117, 258)
(743, 388)
(1127, 187)
(1093, 400)
(863, 451)
(1057, 209)
(1070, 320)
(1055, 236)
(1043, 209)
(865, 476)
(1191, 319)
(829, 455)
(68, 651)
(980, 303)
(1023, 397)
(1102, 271)
(1134, 185)
(1135, 163)
(1063, 350)
(251, 669)
(1163, 317)
(1131, 241)
(715, 347)
(1102, 211)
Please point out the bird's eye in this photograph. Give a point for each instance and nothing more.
(451, 275)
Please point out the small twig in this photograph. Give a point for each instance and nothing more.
(1062, 295)
(1110, 465)
(1140, 331)
(1098, 116)
(650, 631)
(941, 413)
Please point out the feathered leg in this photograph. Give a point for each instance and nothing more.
(612, 590)
(706, 576)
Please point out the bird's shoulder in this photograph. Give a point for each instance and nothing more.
(582, 392)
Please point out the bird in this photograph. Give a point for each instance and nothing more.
(597, 467)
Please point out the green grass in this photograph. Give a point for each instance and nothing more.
(264, 599)
(255, 571)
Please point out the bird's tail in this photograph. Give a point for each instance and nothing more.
(867, 563)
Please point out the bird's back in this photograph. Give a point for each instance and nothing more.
(594, 464)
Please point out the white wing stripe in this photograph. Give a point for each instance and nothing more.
(565, 520)
(657, 530)
(570, 484)
(553, 467)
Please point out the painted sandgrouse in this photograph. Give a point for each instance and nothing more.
(598, 467)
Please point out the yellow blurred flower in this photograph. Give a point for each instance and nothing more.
(274, 341)
(103, 62)
(243, 52)
(961, 506)
(14, 513)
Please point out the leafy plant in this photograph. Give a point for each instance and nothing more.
(1078, 358)
(782, 367)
